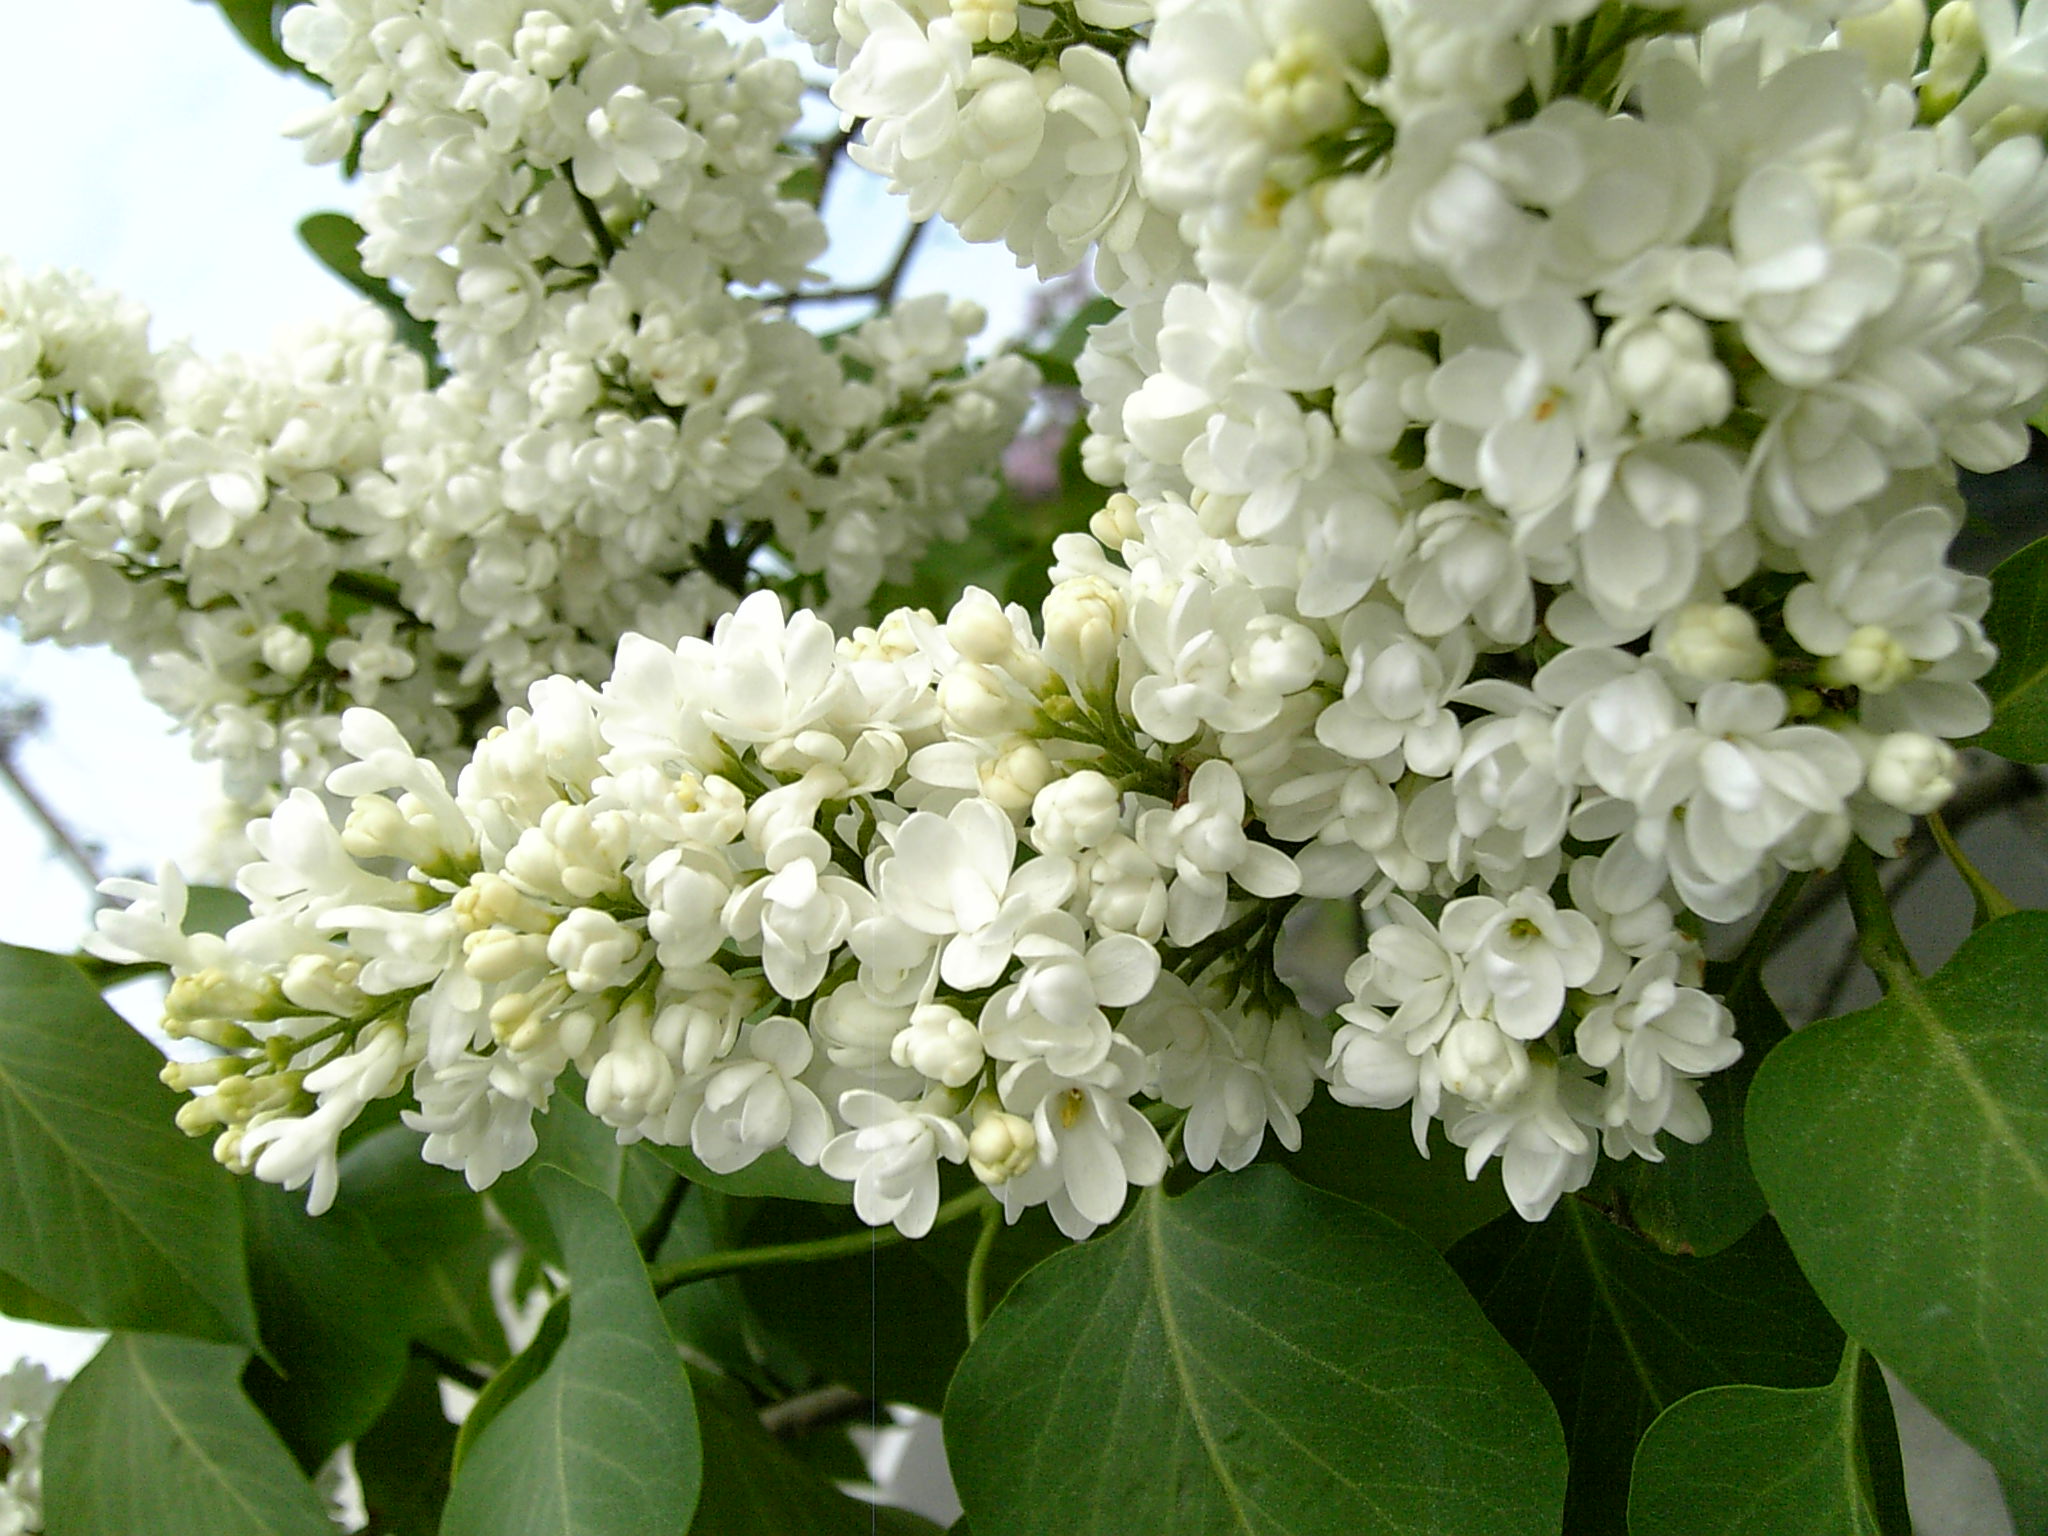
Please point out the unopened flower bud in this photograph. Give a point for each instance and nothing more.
(1872, 661)
(941, 1043)
(184, 1076)
(1278, 655)
(498, 954)
(215, 994)
(286, 651)
(323, 983)
(1953, 61)
(977, 701)
(1001, 1147)
(1912, 772)
(986, 21)
(1482, 1063)
(979, 629)
(492, 901)
(1116, 522)
(1013, 780)
(1888, 39)
(633, 1079)
(1084, 618)
(1074, 814)
(1715, 643)
(1665, 372)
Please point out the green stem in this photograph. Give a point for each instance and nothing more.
(600, 232)
(1747, 965)
(1991, 901)
(710, 1266)
(1877, 933)
(977, 1269)
(656, 1231)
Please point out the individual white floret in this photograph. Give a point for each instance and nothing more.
(891, 1157)
(757, 1103)
(1204, 842)
(1090, 1143)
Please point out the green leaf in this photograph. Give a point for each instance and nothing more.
(1905, 1151)
(335, 239)
(255, 21)
(106, 1205)
(403, 1460)
(891, 1325)
(1768, 1461)
(32, 1306)
(213, 909)
(775, 1175)
(753, 1486)
(603, 1442)
(1702, 1197)
(519, 1373)
(576, 1141)
(331, 1308)
(1619, 1330)
(1369, 1155)
(1056, 362)
(1255, 1356)
(2018, 686)
(432, 1226)
(154, 1435)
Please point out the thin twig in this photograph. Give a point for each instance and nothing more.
(454, 1369)
(816, 1410)
(15, 724)
(881, 291)
(656, 1232)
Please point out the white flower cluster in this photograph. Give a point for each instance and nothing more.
(1540, 477)
(863, 899)
(1011, 121)
(1542, 499)
(575, 199)
(1538, 468)
(27, 1394)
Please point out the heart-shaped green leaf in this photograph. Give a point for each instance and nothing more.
(602, 1441)
(1619, 1330)
(1771, 1461)
(1255, 1356)
(1905, 1152)
(155, 1435)
(107, 1208)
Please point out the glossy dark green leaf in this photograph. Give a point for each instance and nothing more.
(2018, 685)
(1774, 1461)
(334, 238)
(106, 1206)
(403, 1460)
(774, 1175)
(753, 1486)
(155, 1436)
(1905, 1151)
(331, 1308)
(432, 1226)
(32, 1306)
(1702, 1197)
(1369, 1155)
(1619, 1330)
(1255, 1356)
(603, 1441)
